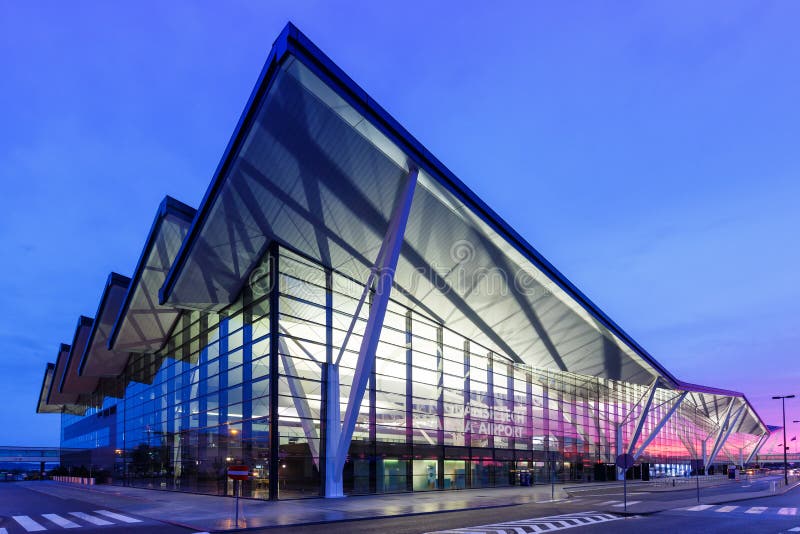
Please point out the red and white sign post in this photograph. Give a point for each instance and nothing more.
(237, 473)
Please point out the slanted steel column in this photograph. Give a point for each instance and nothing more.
(731, 425)
(300, 402)
(384, 270)
(649, 396)
(760, 443)
(661, 424)
(704, 451)
(722, 428)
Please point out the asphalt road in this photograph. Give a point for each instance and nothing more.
(23, 511)
(640, 493)
(767, 515)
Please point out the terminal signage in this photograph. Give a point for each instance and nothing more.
(238, 472)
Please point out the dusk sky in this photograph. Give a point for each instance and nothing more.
(650, 150)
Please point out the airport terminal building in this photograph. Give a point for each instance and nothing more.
(344, 316)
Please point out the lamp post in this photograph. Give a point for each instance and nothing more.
(795, 440)
(783, 409)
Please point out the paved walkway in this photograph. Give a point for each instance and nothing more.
(213, 513)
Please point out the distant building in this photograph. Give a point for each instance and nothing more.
(343, 315)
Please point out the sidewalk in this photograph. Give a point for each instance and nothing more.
(213, 513)
(763, 487)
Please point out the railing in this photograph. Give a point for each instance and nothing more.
(75, 480)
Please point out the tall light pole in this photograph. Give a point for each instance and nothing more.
(795, 440)
(783, 409)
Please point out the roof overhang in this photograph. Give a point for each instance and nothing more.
(715, 401)
(97, 360)
(71, 383)
(315, 164)
(55, 396)
(43, 406)
(143, 325)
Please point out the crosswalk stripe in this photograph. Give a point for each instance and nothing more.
(91, 519)
(629, 503)
(535, 525)
(608, 502)
(118, 517)
(700, 507)
(61, 521)
(726, 509)
(756, 510)
(790, 510)
(3, 531)
(28, 524)
(795, 529)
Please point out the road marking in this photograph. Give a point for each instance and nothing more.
(540, 524)
(790, 510)
(28, 524)
(3, 531)
(118, 517)
(795, 529)
(726, 509)
(608, 502)
(629, 503)
(61, 521)
(700, 507)
(747, 485)
(756, 510)
(91, 519)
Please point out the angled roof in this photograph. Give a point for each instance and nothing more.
(54, 395)
(42, 406)
(70, 382)
(96, 359)
(315, 164)
(142, 324)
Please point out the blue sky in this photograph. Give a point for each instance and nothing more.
(649, 150)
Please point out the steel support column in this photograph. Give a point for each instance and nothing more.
(333, 474)
(727, 432)
(383, 276)
(661, 424)
(300, 402)
(649, 396)
(760, 443)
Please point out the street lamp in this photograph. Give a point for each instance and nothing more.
(783, 409)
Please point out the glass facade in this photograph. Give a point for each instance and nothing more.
(246, 385)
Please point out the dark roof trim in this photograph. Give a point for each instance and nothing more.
(168, 206)
(63, 348)
(292, 41)
(83, 322)
(264, 82)
(114, 279)
(43, 396)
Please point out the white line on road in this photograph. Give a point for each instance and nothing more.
(756, 510)
(61, 521)
(790, 510)
(608, 502)
(726, 509)
(91, 519)
(795, 529)
(700, 507)
(118, 517)
(28, 524)
(629, 503)
(3, 531)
